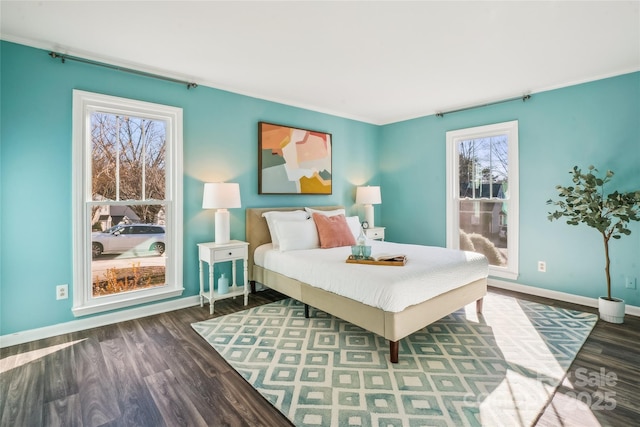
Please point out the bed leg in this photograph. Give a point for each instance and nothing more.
(306, 311)
(479, 305)
(252, 286)
(393, 351)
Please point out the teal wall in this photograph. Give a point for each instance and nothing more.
(220, 144)
(594, 123)
(590, 123)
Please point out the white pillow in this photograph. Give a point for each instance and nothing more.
(354, 225)
(297, 235)
(272, 216)
(334, 212)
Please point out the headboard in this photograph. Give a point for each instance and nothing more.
(257, 232)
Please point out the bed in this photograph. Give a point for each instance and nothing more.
(392, 324)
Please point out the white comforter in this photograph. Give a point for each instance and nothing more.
(429, 272)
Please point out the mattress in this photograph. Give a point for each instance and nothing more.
(430, 271)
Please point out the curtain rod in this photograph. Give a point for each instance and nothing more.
(63, 58)
(523, 98)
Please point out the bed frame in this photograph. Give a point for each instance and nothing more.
(392, 326)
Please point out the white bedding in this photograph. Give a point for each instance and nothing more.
(429, 272)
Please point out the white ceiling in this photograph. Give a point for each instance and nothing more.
(379, 62)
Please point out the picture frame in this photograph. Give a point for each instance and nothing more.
(293, 160)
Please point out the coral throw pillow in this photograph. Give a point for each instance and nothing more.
(333, 231)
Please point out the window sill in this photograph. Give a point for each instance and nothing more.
(136, 299)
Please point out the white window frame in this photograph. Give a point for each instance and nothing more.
(453, 193)
(85, 103)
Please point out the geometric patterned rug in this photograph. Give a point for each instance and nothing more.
(496, 369)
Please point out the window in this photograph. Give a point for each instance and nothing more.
(482, 194)
(127, 199)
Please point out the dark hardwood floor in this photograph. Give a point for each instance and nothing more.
(157, 371)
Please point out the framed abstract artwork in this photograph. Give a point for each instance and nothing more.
(293, 160)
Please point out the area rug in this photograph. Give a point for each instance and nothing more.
(497, 369)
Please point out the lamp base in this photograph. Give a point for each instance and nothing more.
(222, 228)
(368, 215)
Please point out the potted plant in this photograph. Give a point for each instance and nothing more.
(610, 213)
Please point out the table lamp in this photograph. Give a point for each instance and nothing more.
(368, 196)
(221, 196)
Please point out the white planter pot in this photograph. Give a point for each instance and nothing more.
(611, 311)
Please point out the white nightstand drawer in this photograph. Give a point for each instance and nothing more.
(231, 253)
(375, 233)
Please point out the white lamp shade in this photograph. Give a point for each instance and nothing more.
(369, 195)
(221, 195)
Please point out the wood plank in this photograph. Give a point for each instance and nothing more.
(60, 378)
(146, 355)
(175, 409)
(6, 375)
(210, 363)
(197, 387)
(63, 412)
(96, 388)
(134, 399)
(24, 399)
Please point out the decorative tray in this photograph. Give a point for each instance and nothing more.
(397, 261)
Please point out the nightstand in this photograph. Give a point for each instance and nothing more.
(375, 233)
(212, 253)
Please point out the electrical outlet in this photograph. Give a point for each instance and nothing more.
(62, 291)
(630, 282)
(542, 266)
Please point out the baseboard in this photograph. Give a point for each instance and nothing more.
(96, 321)
(631, 310)
(148, 310)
